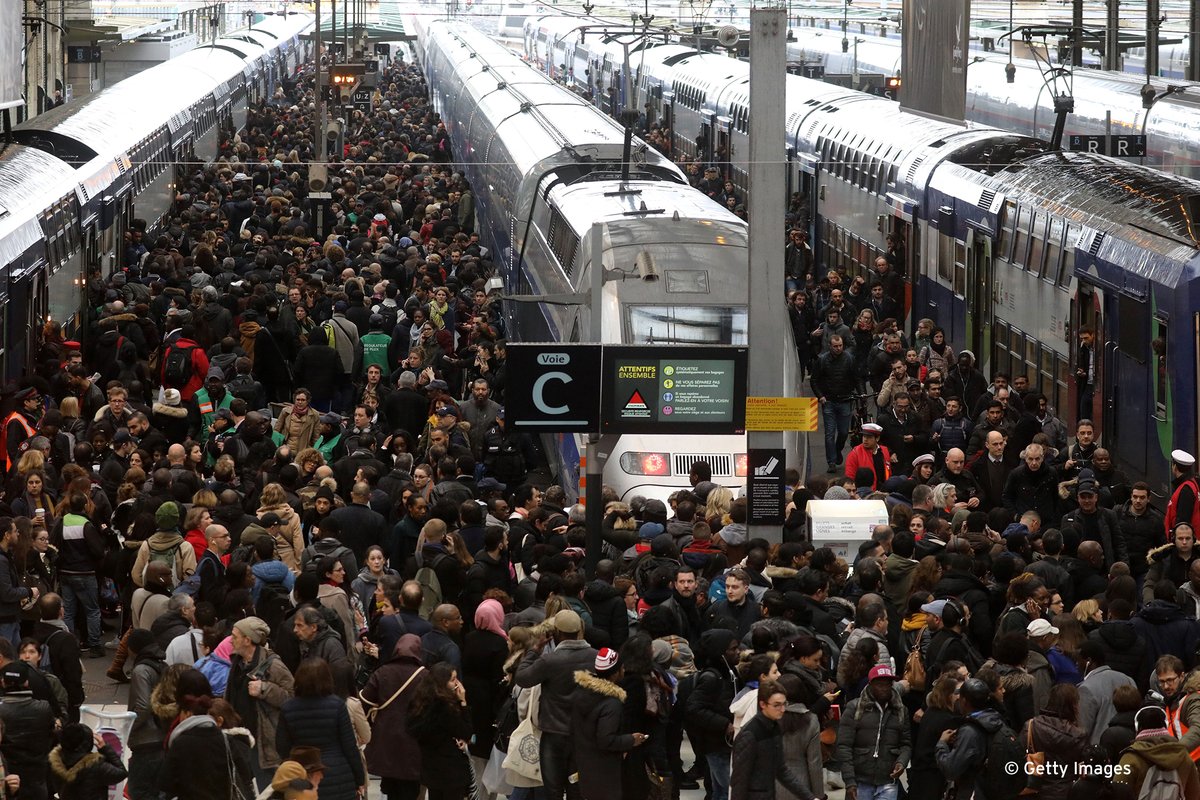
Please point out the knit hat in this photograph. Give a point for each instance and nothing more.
(76, 738)
(255, 630)
(171, 397)
(324, 493)
(836, 493)
(167, 516)
(607, 661)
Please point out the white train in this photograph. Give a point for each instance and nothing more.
(545, 165)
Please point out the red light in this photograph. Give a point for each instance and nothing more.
(741, 465)
(655, 464)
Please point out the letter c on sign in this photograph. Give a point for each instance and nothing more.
(539, 386)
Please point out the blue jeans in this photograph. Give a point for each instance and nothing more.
(12, 632)
(885, 792)
(84, 590)
(836, 419)
(718, 774)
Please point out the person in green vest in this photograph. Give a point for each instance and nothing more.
(211, 398)
(330, 444)
(372, 348)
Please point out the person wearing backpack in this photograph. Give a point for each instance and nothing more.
(166, 546)
(259, 685)
(184, 365)
(60, 651)
(1156, 766)
(973, 756)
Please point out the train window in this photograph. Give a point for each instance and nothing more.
(1037, 241)
(1053, 256)
(1016, 342)
(1020, 239)
(1158, 348)
(1006, 232)
(945, 257)
(960, 279)
(1131, 326)
(1000, 343)
(1061, 394)
(1067, 265)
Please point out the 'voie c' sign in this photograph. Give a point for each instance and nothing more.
(553, 387)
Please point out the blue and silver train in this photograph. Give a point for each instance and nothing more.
(1010, 247)
(73, 179)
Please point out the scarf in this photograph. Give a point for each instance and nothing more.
(436, 312)
(490, 617)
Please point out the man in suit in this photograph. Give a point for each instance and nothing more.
(991, 471)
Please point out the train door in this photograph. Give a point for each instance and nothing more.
(1131, 414)
(26, 292)
(978, 293)
(901, 231)
(1087, 314)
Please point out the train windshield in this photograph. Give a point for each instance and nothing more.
(645, 324)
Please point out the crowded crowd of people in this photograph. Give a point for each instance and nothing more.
(278, 486)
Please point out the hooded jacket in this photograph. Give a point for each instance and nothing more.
(1163, 752)
(1167, 630)
(86, 775)
(600, 744)
(897, 578)
(1124, 650)
(393, 752)
(963, 765)
(707, 713)
(1164, 563)
(198, 765)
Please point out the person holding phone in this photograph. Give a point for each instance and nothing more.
(600, 745)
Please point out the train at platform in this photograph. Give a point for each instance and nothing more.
(546, 166)
(1011, 247)
(74, 179)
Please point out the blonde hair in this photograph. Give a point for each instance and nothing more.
(1084, 610)
(69, 407)
(718, 504)
(272, 495)
(206, 498)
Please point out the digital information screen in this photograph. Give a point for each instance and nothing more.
(693, 390)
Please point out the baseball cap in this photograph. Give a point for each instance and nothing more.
(331, 419)
(447, 411)
(1039, 627)
(568, 621)
(935, 607)
(122, 437)
(881, 672)
(438, 385)
(490, 485)
(268, 519)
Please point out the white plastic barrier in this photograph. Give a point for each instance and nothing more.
(115, 727)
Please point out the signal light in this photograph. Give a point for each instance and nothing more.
(892, 83)
(741, 465)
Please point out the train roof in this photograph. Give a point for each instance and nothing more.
(30, 181)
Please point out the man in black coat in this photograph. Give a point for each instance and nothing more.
(991, 471)
(360, 525)
(178, 620)
(407, 408)
(1124, 648)
(63, 649)
(1094, 523)
(709, 721)
(319, 368)
(959, 582)
(758, 760)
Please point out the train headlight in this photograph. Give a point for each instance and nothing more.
(741, 465)
(655, 464)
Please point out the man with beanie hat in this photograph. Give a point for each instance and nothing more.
(555, 671)
(166, 546)
(259, 685)
(1157, 755)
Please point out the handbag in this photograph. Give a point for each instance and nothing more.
(373, 710)
(660, 785)
(914, 668)
(1035, 760)
(523, 761)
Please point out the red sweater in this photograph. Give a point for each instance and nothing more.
(860, 458)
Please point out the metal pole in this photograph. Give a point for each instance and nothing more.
(1112, 36)
(1152, 24)
(845, 25)
(1076, 33)
(593, 491)
(1193, 69)
(768, 188)
(319, 111)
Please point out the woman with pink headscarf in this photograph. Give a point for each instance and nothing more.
(484, 651)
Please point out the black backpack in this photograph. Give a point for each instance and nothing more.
(1003, 749)
(274, 603)
(177, 369)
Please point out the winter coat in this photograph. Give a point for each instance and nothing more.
(1165, 564)
(707, 711)
(1118, 735)
(148, 669)
(971, 592)
(600, 744)
(1109, 528)
(309, 431)
(65, 663)
(290, 543)
(364, 585)
(608, 611)
(80, 545)
(1167, 630)
(897, 578)
(872, 739)
(199, 764)
(1018, 706)
(277, 687)
(758, 763)
(1063, 742)
(86, 776)
(393, 752)
(924, 777)
(1125, 650)
(802, 748)
(443, 765)
(162, 542)
(336, 599)
(324, 722)
(483, 656)
(555, 672)
(1096, 707)
(1025, 490)
(1142, 534)
(963, 765)
(1163, 752)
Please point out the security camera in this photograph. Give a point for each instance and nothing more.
(646, 268)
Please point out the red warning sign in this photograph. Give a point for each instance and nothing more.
(635, 407)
